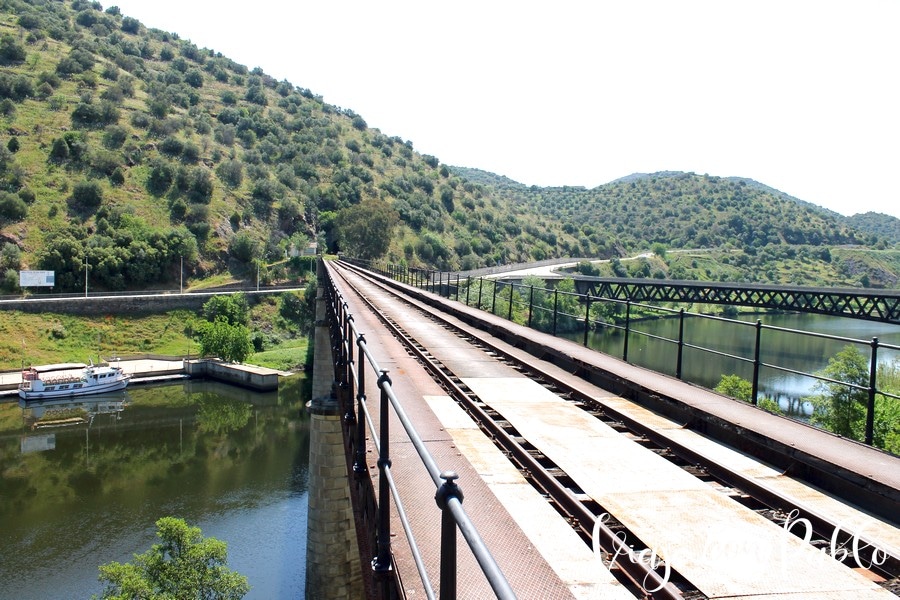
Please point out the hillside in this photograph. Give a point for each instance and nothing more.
(131, 148)
(134, 151)
(883, 226)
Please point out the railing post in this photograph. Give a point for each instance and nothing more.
(555, 308)
(680, 343)
(870, 409)
(512, 288)
(627, 329)
(530, 305)
(448, 534)
(480, 284)
(340, 362)
(359, 463)
(494, 298)
(382, 561)
(587, 318)
(457, 287)
(349, 416)
(755, 390)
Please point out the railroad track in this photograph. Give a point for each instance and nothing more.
(594, 522)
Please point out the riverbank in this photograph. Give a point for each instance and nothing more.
(153, 369)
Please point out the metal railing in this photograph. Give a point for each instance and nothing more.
(507, 299)
(353, 359)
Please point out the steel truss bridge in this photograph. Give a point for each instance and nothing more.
(868, 304)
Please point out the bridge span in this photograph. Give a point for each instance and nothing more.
(867, 304)
(572, 474)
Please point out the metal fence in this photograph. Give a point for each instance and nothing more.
(508, 298)
(354, 359)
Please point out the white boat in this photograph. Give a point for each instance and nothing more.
(70, 379)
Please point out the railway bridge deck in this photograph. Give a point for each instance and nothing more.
(711, 538)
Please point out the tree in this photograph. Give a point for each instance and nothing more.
(299, 310)
(741, 389)
(11, 51)
(231, 343)
(183, 565)
(59, 150)
(366, 229)
(160, 178)
(194, 78)
(87, 194)
(232, 308)
(839, 407)
(12, 208)
(243, 247)
(736, 387)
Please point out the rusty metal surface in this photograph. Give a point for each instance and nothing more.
(719, 545)
(624, 488)
(526, 569)
(854, 461)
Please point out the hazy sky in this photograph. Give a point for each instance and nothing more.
(799, 95)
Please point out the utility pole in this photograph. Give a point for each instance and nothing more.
(85, 275)
(181, 286)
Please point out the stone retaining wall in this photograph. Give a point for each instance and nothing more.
(108, 305)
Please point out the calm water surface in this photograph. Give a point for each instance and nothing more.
(75, 496)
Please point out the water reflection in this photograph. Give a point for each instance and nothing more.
(796, 352)
(82, 483)
(65, 412)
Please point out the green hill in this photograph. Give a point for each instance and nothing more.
(881, 225)
(131, 148)
(135, 151)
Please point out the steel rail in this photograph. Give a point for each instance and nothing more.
(820, 523)
(636, 570)
(495, 577)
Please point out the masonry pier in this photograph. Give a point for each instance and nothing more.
(333, 570)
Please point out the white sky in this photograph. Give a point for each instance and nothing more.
(800, 95)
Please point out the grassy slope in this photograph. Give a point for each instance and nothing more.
(50, 338)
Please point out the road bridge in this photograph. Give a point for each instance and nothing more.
(561, 453)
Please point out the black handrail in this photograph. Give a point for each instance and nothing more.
(425, 279)
(448, 494)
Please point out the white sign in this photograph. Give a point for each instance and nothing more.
(37, 278)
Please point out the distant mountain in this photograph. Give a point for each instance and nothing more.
(132, 151)
(682, 210)
(877, 224)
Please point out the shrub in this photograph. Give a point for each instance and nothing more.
(87, 194)
(11, 51)
(12, 208)
(114, 136)
(130, 25)
(160, 178)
